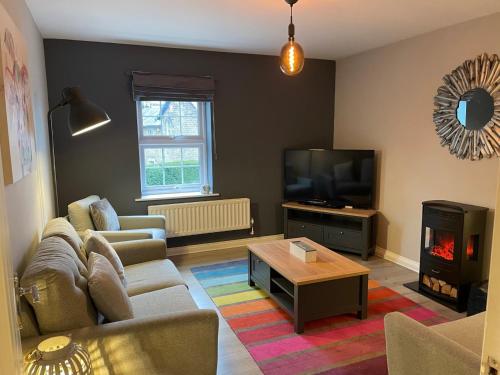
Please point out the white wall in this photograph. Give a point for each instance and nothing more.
(29, 201)
(384, 101)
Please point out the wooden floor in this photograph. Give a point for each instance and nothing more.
(233, 357)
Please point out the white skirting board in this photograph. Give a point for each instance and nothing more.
(398, 259)
(212, 246)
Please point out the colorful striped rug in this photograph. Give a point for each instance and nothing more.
(341, 345)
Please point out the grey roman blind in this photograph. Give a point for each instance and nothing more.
(152, 86)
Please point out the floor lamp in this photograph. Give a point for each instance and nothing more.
(83, 117)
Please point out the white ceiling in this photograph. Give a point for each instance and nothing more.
(326, 28)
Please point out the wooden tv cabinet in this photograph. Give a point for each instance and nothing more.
(345, 229)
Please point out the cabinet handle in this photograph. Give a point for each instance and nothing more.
(435, 271)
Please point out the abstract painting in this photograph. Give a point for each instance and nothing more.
(16, 113)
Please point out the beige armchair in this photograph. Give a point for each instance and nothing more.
(452, 348)
(137, 227)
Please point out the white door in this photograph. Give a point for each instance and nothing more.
(10, 342)
(491, 347)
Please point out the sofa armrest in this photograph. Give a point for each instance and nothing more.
(174, 344)
(142, 221)
(133, 252)
(414, 349)
(119, 236)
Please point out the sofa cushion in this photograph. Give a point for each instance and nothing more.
(60, 227)
(467, 332)
(107, 291)
(96, 243)
(79, 213)
(104, 215)
(150, 276)
(158, 302)
(153, 233)
(64, 299)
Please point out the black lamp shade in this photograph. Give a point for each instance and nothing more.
(83, 115)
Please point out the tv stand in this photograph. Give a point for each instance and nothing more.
(314, 202)
(345, 229)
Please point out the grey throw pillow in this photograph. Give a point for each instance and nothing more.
(104, 215)
(106, 290)
(96, 243)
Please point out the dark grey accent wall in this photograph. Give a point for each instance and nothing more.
(258, 113)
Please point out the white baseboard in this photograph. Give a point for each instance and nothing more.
(398, 259)
(212, 246)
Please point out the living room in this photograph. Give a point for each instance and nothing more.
(283, 187)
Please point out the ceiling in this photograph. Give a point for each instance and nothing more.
(326, 28)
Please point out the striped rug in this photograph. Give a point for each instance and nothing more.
(341, 345)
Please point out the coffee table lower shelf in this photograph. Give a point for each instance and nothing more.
(311, 301)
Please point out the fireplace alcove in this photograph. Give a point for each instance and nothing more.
(451, 255)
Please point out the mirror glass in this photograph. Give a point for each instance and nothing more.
(475, 109)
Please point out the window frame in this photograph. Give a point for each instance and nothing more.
(201, 141)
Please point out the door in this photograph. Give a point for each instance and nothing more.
(10, 341)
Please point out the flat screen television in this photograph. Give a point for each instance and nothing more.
(334, 178)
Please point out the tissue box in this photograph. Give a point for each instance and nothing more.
(303, 251)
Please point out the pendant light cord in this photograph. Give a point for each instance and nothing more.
(291, 27)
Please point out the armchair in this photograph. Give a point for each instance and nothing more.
(452, 348)
(137, 227)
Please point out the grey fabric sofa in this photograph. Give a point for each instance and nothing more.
(134, 227)
(452, 348)
(169, 334)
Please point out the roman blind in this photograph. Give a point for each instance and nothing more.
(152, 86)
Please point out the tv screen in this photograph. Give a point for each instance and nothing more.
(335, 178)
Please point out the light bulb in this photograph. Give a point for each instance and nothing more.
(292, 58)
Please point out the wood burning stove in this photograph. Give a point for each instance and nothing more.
(451, 255)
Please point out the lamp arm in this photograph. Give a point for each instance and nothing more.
(61, 104)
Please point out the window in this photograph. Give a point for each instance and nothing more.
(175, 147)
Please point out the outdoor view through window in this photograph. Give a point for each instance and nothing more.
(174, 146)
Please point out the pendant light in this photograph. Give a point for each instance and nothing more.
(292, 54)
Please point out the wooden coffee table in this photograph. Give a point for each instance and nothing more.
(308, 291)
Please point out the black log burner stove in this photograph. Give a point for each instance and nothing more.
(451, 251)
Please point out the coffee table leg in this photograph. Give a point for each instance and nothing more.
(298, 320)
(363, 297)
(298, 325)
(250, 282)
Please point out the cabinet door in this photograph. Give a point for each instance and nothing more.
(260, 272)
(351, 239)
(303, 229)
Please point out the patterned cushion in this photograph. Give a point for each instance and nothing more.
(79, 213)
(104, 215)
(62, 284)
(96, 243)
(108, 293)
(60, 227)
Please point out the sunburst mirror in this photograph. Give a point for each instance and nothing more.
(467, 109)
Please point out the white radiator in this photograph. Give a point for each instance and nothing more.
(186, 219)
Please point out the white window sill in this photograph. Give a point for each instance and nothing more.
(162, 197)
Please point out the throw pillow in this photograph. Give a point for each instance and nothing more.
(106, 290)
(60, 227)
(104, 215)
(96, 243)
